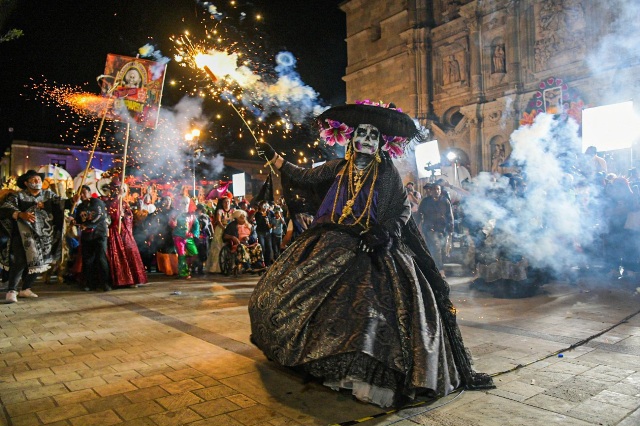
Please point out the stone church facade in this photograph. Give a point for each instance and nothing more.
(474, 71)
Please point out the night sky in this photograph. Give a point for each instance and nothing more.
(67, 42)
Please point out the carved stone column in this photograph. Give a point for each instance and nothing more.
(477, 151)
(418, 49)
(420, 13)
(471, 20)
(513, 45)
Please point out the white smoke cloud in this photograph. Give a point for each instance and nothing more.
(547, 223)
(164, 150)
(288, 96)
(619, 45)
(148, 51)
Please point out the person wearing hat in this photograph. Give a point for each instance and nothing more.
(356, 300)
(241, 234)
(32, 218)
(91, 218)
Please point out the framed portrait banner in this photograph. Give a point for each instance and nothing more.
(553, 96)
(135, 86)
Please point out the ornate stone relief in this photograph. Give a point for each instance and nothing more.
(494, 116)
(498, 154)
(452, 61)
(498, 59)
(560, 31)
(452, 71)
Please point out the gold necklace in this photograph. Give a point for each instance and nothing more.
(356, 181)
(359, 176)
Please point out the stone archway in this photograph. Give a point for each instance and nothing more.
(452, 117)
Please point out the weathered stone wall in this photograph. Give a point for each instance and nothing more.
(472, 71)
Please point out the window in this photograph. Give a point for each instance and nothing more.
(58, 162)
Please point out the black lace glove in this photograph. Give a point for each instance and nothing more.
(375, 238)
(265, 151)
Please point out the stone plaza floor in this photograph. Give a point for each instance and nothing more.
(178, 352)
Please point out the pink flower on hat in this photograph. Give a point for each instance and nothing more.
(378, 104)
(337, 132)
(394, 145)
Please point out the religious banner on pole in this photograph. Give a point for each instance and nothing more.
(135, 85)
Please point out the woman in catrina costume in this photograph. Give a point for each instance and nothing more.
(357, 301)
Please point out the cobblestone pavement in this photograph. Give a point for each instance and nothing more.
(178, 352)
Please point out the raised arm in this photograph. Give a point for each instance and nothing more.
(300, 175)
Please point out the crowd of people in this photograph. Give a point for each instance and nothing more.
(355, 301)
(198, 232)
(493, 244)
(116, 242)
(85, 238)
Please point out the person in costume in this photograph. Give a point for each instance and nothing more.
(91, 219)
(357, 301)
(185, 230)
(242, 236)
(221, 218)
(127, 268)
(32, 221)
(202, 242)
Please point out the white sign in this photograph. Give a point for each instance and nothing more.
(609, 127)
(239, 185)
(427, 154)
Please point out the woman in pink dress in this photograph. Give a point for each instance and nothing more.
(124, 258)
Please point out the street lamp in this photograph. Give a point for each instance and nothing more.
(197, 150)
(453, 159)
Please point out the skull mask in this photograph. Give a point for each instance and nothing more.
(366, 139)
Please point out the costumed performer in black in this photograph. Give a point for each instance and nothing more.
(357, 301)
(32, 219)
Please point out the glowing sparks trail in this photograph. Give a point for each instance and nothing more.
(225, 63)
(80, 102)
(239, 74)
(230, 67)
(153, 150)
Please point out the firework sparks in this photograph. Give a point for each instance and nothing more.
(83, 103)
(228, 67)
(236, 69)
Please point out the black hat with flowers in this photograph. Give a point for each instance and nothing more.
(397, 128)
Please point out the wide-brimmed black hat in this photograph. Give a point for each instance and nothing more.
(389, 121)
(22, 180)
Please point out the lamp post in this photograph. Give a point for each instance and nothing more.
(197, 150)
(453, 159)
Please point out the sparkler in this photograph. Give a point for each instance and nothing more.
(233, 66)
(97, 138)
(214, 79)
(227, 62)
(152, 152)
(83, 103)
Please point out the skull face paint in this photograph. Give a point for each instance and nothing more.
(366, 139)
(34, 183)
